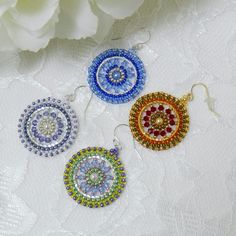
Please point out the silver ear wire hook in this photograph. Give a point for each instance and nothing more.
(209, 100)
(86, 108)
(116, 141)
(71, 98)
(140, 45)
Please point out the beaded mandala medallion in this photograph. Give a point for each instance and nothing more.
(95, 177)
(117, 75)
(48, 127)
(159, 121)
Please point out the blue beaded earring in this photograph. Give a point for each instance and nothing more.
(117, 75)
(49, 126)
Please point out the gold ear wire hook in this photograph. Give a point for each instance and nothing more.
(116, 141)
(209, 100)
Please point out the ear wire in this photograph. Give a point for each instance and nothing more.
(209, 100)
(117, 143)
(72, 97)
(86, 108)
(140, 45)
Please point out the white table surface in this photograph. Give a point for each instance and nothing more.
(188, 190)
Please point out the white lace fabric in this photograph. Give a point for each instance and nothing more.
(187, 190)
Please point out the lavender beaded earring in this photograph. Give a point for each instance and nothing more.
(117, 75)
(49, 126)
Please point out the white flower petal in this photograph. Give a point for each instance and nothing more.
(30, 40)
(33, 15)
(119, 9)
(29, 25)
(6, 43)
(105, 23)
(5, 5)
(76, 20)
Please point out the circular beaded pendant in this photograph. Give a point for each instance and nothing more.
(159, 121)
(48, 127)
(95, 177)
(117, 75)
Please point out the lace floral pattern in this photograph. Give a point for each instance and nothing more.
(186, 190)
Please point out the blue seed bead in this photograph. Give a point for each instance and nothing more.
(33, 135)
(125, 89)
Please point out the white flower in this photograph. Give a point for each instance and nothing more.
(30, 24)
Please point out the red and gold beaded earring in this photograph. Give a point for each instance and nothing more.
(159, 121)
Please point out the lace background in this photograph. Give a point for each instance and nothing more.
(189, 190)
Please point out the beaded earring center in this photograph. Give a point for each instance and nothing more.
(116, 75)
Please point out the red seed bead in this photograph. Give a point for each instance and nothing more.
(146, 124)
(156, 133)
(168, 111)
(153, 109)
(148, 113)
(172, 122)
(150, 131)
(169, 129)
(146, 118)
(163, 133)
(171, 117)
(160, 108)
